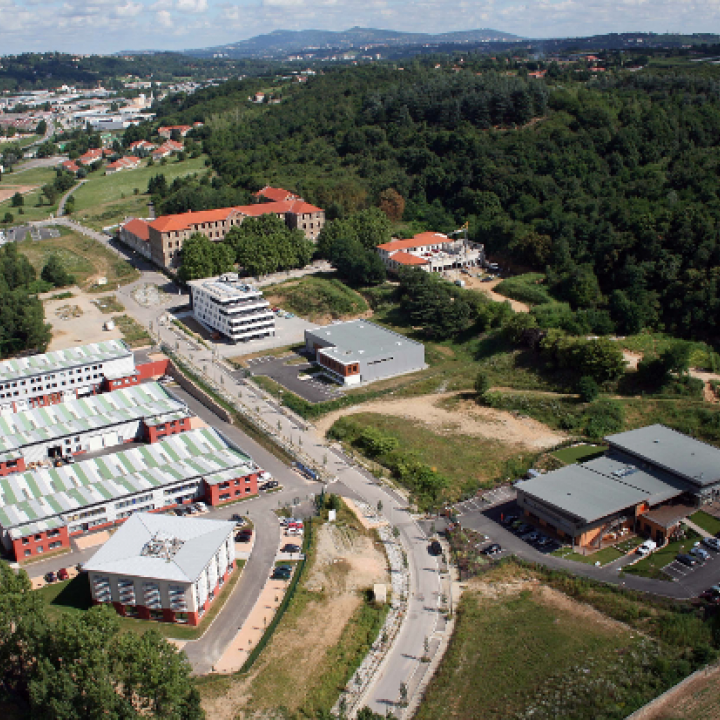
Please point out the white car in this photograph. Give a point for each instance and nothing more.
(646, 548)
(264, 476)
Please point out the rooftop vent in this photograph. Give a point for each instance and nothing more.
(162, 546)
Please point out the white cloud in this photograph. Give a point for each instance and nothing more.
(165, 19)
(129, 9)
(192, 6)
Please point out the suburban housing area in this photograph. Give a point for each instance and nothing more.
(649, 479)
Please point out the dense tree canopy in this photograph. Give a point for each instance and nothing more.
(609, 182)
(203, 258)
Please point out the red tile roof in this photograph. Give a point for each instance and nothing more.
(69, 165)
(184, 221)
(406, 259)
(139, 228)
(420, 240)
(276, 194)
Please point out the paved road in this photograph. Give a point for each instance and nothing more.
(690, 585)
(403, 662)
(63, 199)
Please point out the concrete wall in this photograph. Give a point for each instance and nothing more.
(192, 389)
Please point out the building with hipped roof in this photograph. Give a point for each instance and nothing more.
(168, 232)
(136, 234)
(160, 567)
(432, 252)
(359, 351)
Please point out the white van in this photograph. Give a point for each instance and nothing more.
(646, 548)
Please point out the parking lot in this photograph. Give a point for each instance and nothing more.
(314, 389)
(17, 234)
(489, 499)
(702, 568)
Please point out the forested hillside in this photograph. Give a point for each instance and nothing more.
(608, 182)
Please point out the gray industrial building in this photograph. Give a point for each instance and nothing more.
(359, 351)
(647, 481)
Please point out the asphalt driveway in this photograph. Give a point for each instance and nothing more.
(313, 390)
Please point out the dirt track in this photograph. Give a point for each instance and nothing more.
(467, 418)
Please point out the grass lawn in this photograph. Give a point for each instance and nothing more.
(82, 256)
(522, 656)
(31, 210)
(527, 288)
(652, 565)
(707, 522)
(604, 556)
(579, 453)
(134, 334)
(317, 298)
(73, 596)
(106, 199)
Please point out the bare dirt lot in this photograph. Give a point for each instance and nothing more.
(291, 666)
(466, 417)
(488, 288)
(81, 330)
(7, 191)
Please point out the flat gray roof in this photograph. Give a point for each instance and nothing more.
(357, 340)
(657, 486)
(226, 289)
(62, 359)
(583, 493)
(680, 454)
(199, 538)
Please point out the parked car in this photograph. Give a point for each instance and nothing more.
(712, 594)
(523, 528)
(543, 541)
(435, 548)
(712, 543)
(688, 560)
(509, 519)
(50, 577)
(493, 549)
(290, 548)
(264, 476)
(238, 518)
(63, 574)
(646, 548)
(531, 537)
(244, 536)
(200, 506)
(699, 553)
(282, 572)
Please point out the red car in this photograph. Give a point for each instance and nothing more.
(63, 574)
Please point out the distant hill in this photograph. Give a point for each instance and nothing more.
(283, 42)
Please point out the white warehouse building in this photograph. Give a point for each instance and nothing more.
(231, 307)
(162, 567)
(62, 375)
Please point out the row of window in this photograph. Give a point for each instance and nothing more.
(39, 550)
(128, 513)
(133, 501)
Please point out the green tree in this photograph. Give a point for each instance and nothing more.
(203, 258)
(588, 389)
(482, 384)
(8, 218)
(55, 273)
(18, 200)
(600, 359)
(41, 128)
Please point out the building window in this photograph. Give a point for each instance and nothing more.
(27, 552)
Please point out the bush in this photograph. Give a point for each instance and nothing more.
(603, 418)
(525, 288)
(588, 389)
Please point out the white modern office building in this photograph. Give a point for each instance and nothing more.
(160, 567)
(229, 306)
(54, 377)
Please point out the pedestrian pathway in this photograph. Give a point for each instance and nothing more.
(696, 528)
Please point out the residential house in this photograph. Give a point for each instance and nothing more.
(70, 166)
(432, 252)
(167, 130)
(91, 156)
(124, 163)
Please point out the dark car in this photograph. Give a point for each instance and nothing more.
(244, 536)
(688, 560)
(290, 548)
(493, 549)
(63, 574)
(509, 519)
(523, 528)
(435, 548)
(50, 577)
(282, 572)
(543, 541)
(712, 594)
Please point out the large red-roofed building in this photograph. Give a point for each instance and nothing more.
(432, 252)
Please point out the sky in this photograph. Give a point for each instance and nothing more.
(106, 26)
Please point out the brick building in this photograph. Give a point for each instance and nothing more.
(158, 567)
(41, 510)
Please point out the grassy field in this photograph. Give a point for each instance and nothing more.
(603, 557)
(527, 288)
(579, 453)
(527, 653)
(317, 298)
(73, 596)
(707, 522)
(652, 565)
(134, 334)
(467, 461)
(84, 257)
(31, 210)
(106, 199)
